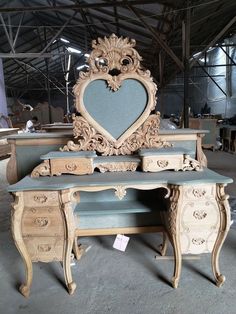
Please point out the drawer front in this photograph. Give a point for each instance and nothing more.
(42, 221)
(45, 249)
(199, 192)
(74, 166)
(198, 242)
(198, 215)
(159, 163)
(41, 198)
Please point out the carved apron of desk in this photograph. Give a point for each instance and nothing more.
(197, 221)
(43, 230)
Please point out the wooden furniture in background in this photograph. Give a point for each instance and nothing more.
(5, 147)
(209, 140)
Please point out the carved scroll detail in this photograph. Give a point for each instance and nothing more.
(87, 138)
(42, 169)
(191, 164)
(117, 166)
(114, 52)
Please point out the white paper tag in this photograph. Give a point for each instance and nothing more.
(120, 242)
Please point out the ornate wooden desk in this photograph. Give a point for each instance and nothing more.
(50, 213)
(152, 181)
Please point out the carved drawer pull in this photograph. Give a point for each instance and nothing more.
(199, 214)
(199, 193)
(162, 163)
(41, 221)
(198, 241)
(40, 198)
(71, 167)
(44, 247)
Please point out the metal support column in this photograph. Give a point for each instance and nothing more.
(186, 52)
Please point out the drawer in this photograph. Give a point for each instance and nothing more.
(41, 198)
(45, 249)
(199, 191)
(201, 214)
(73, 166)
(198, 242)
(159, 163)
(42, 221)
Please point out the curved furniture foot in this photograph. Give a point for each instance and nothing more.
(220, 280)
(71, 287)
(25, 290)
(163, 247)
(175, 282)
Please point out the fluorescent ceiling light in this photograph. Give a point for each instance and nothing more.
(74, 50)
(82, 66)
(64, 40)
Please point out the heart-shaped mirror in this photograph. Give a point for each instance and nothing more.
(115, 113)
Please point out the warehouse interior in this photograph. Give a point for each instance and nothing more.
(189, 47)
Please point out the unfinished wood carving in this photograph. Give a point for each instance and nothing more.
(42, 169)
(114, 60)
(117, 166)
(88, 138)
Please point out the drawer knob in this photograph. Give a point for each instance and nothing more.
(198, 241)
(199, 214)
(162, 163)
(40, 198)
(71, 167)
(44, 247)
(41, 222)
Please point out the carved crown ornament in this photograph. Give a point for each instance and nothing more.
(115, 62)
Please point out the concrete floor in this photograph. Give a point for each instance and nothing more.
(109, 281)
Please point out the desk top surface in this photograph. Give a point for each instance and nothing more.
(52, 135)
(119, 179)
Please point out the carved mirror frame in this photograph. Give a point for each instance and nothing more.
(114, 60)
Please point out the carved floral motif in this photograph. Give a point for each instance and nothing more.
(44, 247)
(162, 163)
(87, 138)
(199, 193)
(40, 198)
(120, 192)
(117, 166)
(41, 221)
(71, 167)
(198, 241)
(199, 214)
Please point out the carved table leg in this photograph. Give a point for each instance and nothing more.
(222, 200)
(17, 212)
(69, 239)
(172, 217)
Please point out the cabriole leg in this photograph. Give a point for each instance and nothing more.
(17, 212)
